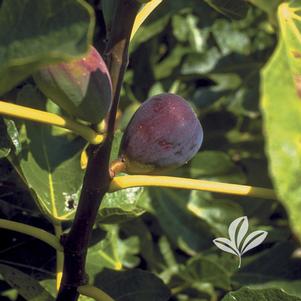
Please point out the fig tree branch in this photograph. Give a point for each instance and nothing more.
(97, 178)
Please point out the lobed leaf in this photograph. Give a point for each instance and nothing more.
(281, 108)
(56, 31)
(50, 163)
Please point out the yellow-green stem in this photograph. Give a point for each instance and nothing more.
(59, 256)
(22, 112)
(94, 292)
(38, 233)
(123, 182)
(178, 289)
(146, 10)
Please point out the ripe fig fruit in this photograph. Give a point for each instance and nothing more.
(81, 87)
(164, 133)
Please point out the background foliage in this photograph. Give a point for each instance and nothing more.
(212, 53)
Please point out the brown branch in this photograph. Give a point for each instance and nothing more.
(97, 178)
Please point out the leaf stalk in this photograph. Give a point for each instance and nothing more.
(94, 292)
(146, 10)
(59, 255)
(17, 111)
(35, 232)
(122, 182)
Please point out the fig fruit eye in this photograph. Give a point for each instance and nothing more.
(81, 87)
(164, 133)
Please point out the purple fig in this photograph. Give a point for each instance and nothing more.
(164, 133)
(81, 87)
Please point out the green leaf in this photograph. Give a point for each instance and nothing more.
(230, 38)
(113, 252)
(236, 9)
(116, 143)
(9, 137)
(37, 32)
(13, 135)
(186, 231)
(211, 209)
(248, 294)
(128, 114)
(27, 287)
(133, 285)
(139, 229)
(216, 165)
(291, 287)
(201, 269)
(50, 162)
(270, 7)
(5, 145)
(281, 107)
(166, 67)
(167, 252)
(273, 264)
(201, 63)
(120, 206)
(185, 28)
(148, 31)
(108, 8)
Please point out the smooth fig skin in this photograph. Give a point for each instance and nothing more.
(164, 133)
(81, 87)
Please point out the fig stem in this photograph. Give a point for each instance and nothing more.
(38, 233)
(116, 167)
(18, 111)
(94, 293)
(123, 182)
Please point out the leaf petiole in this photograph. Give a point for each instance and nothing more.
(122, 182)
(146, 10)
(22, 112)
(94, 292)
(38, 233)
(59, 255)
